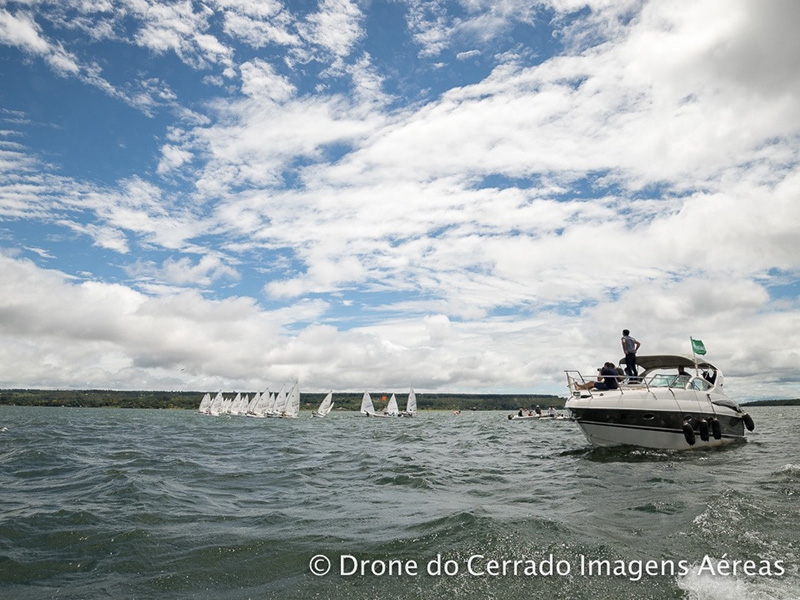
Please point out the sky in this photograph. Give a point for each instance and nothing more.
(449, 195)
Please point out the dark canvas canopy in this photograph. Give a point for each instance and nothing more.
(669, 361)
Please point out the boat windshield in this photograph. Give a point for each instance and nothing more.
(701, 385)
(661, 380)
(671, 381)
(679, 381)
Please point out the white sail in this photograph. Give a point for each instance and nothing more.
(248, 410)
(391, 409)
(216, 405)
(279, 406)
(259, 408)
(366, 404)
(411, 404)
(205, 404)
(236, 404)
(325, 407)
(292, 408)
(269, 407)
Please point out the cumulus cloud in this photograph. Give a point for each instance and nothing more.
(260, 80)
(481, 237)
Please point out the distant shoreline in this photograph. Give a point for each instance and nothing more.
(786, 402)
(309, 401)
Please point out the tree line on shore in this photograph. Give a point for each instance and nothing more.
(309, 400)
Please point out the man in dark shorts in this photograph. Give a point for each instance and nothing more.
(606, 379)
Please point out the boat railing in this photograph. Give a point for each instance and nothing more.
(653, 381)
(575, 378)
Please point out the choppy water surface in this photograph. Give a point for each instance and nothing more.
(105, 503)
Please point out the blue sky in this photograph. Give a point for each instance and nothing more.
(451, 195)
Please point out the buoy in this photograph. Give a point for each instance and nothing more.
(716, 428)
(703, 430)
(688, 433)
(748, 422)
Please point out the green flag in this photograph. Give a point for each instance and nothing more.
(697, 346)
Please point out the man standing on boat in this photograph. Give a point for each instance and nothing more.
(629, 346)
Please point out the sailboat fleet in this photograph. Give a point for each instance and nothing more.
(392, 409)
(261, 405)
(286, 405)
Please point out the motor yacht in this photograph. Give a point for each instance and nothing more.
(659, 408)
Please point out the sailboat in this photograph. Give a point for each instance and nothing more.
(291, 409)
(391, 409)
(277, 406)
(249, 409)
(366, 405)
(205, 404)
(236, 404)
(259, 406)
(325, 407)
(411, 405)
(216, 405)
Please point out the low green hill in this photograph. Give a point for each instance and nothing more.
(343, 400)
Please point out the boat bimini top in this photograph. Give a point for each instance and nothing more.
(669, 361)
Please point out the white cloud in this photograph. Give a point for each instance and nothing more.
(176, 27)
(259, 80)
(102, 236)
(184, 272)
(336, 27)
(259, 23)
(172, 157)
(21, 31)
(646, 178)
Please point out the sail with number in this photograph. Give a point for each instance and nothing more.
(366, 405)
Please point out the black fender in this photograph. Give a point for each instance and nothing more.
(748, 422)
(716, 428)
(703, 428)
(688, 433)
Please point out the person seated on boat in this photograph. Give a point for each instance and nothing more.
(538, 410)
(606, 379)
(520, 413)
(552, 412)
(710, 376)
(682, 378)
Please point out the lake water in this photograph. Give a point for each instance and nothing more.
(108, 503)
